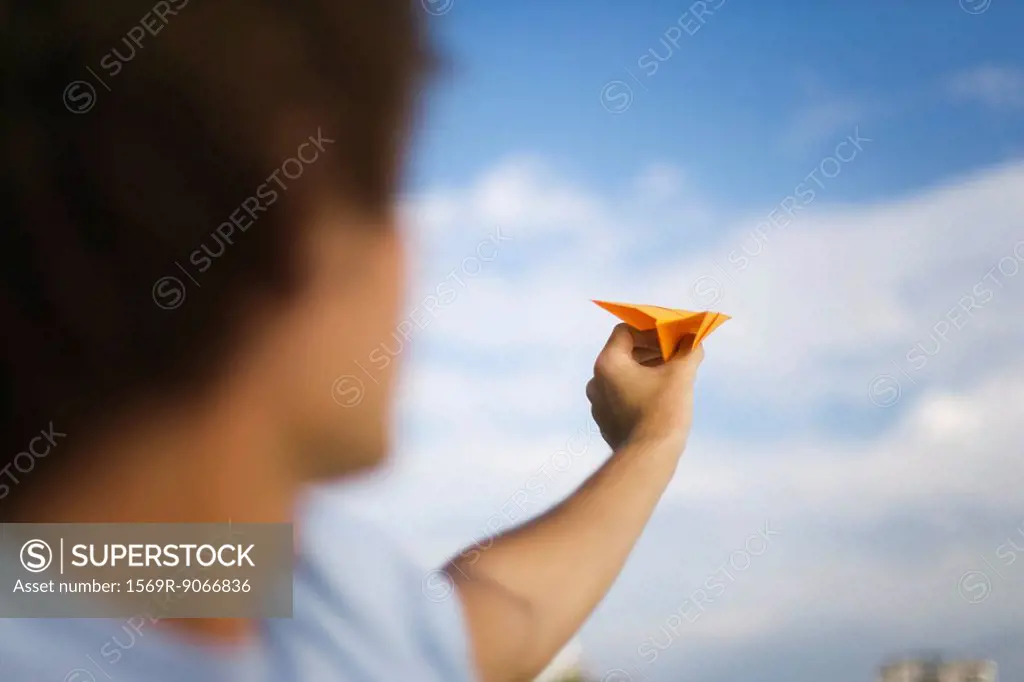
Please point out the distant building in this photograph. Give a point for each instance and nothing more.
(936, 670)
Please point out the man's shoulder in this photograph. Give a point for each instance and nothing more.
(362, 610)
(356, 585)
(346, 556)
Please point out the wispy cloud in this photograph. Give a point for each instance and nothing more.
(821, 112)
(786, 427)
(818, 121)
(998, 87)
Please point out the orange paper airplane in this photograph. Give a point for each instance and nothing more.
(677, 329)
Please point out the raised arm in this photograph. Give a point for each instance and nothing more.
(533, 587)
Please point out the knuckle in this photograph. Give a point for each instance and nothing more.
(604, 366)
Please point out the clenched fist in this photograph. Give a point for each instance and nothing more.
(635, 395)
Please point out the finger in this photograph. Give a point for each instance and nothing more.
(617, 351)
(647, 356)
(688, 360)
(621, 338)
(645, 339)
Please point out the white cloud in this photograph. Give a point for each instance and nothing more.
(999, 87)
(522, 194)
(822, 114)
(660, 181)
(829, 301)
(820, 121)
(839, 296)
(949, 450)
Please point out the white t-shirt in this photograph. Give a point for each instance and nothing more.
(362, 612)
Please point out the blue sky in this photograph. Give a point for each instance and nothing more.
(527, 76)
(861, 403)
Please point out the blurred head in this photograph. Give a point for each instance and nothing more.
(199, 211)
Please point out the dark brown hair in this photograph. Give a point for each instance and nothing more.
(141, 143)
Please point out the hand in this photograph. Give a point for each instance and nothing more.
(634, 394)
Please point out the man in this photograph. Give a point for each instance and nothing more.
(199, 236)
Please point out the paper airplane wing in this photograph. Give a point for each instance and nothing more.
(676, 329)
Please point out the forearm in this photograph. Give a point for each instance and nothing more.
(549, 574)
